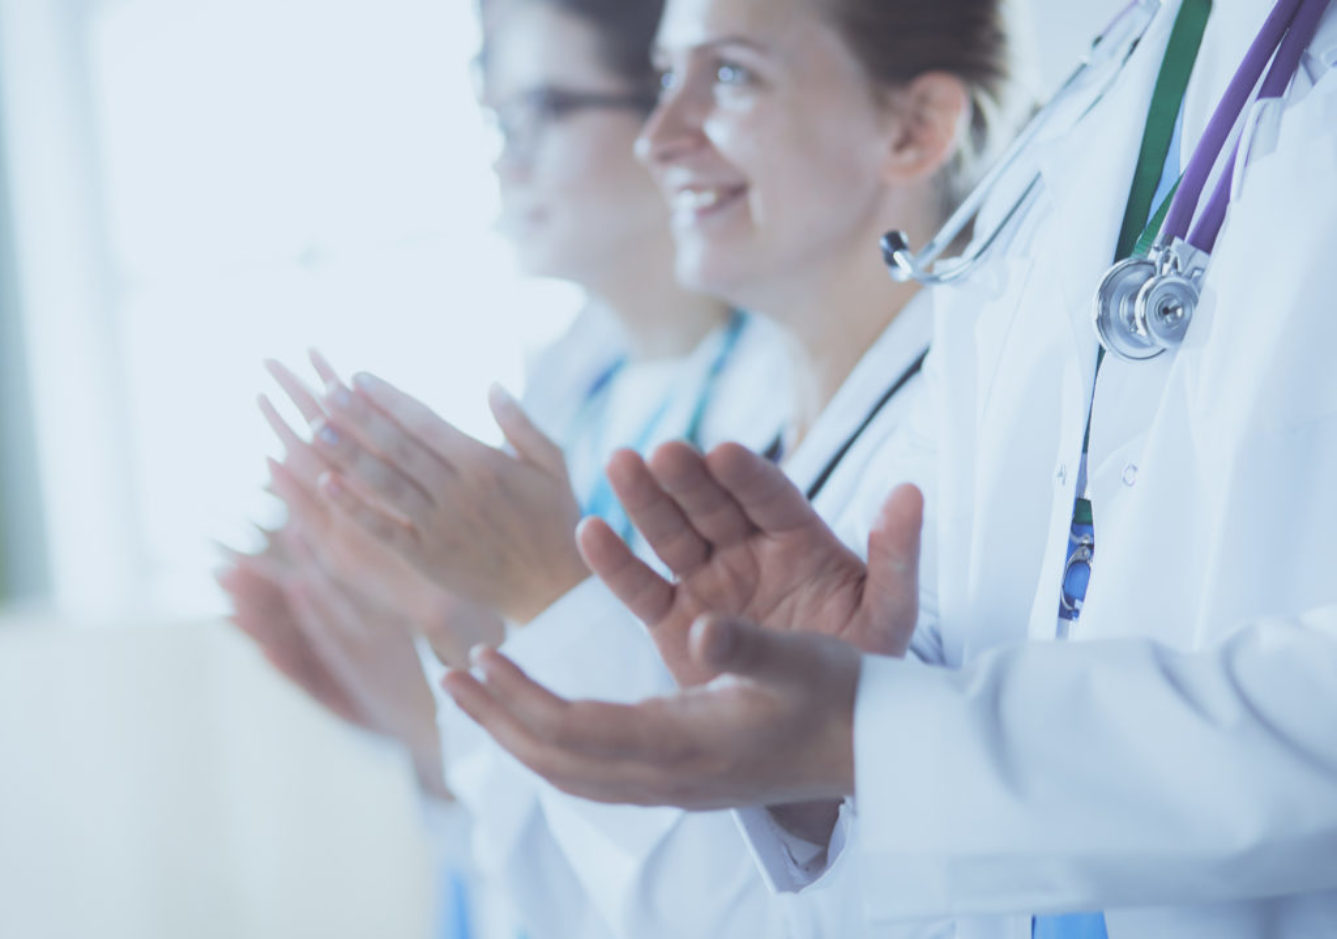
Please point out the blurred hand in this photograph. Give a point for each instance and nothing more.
(486, 525)
(743, 542)
(260, 610)
(369, 651)
(357, 663)
(777, 727)
(368, 566)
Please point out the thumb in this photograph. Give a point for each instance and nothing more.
(720, 645)
(530, 443)
(891, 594)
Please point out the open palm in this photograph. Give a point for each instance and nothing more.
(742, 541)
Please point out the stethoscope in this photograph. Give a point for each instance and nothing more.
(1145, 304)
(1103, 65)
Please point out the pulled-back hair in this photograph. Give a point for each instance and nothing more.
(898, 40)
(625, 31)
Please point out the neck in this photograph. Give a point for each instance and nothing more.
(662, 319)
(826, 351)
(838, 313)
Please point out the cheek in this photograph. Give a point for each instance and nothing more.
(598, 175)
(597, 203)
(804, 176)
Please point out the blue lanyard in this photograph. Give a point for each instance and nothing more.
(601, 501)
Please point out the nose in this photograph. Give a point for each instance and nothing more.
(675, 127)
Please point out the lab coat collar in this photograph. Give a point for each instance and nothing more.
(899, 345)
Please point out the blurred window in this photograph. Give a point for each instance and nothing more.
(202, 184)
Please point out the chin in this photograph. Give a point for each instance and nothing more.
(717, 273)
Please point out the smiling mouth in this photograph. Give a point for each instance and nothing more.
(692, 204)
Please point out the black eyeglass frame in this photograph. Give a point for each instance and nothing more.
(522, 119)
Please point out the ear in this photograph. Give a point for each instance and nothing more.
(931, 114)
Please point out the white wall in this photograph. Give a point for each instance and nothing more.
(161, 783)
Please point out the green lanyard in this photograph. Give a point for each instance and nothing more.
(1180, 56)
(1137, 233)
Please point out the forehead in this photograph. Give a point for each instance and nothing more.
(773, 25)
(531, 44)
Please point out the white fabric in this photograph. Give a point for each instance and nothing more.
(573, 868)
(1175, 765)
(892, 451)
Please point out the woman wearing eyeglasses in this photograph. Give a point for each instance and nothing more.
(569, 83)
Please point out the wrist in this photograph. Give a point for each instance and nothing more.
(564, 578)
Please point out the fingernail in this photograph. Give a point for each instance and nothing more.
(365, 381)
(501, 396)
(328, 434)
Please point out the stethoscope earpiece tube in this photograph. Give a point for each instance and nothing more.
(1166, 286)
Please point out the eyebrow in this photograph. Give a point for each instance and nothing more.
(659, 53)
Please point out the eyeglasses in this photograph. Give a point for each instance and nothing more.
(523, 119)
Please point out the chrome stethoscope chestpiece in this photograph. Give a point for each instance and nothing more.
(1116, 319)
(1166, 303)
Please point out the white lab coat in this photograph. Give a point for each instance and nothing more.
(571, 868)
(1176, 764)
(662, 872)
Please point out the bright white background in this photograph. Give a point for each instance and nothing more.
(200, 184)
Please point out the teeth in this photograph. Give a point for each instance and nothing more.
(694, 200)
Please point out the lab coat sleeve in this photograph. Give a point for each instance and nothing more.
(820, 885)
(1076, 776)
(789, 862)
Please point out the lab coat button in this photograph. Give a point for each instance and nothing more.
(1062, 474)
(1130, 474)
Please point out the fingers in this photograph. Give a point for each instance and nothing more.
(392, 444)
(387, 482)
(891, 597)
(552, 761)
(296, 390)
(321, 608)
(523, 435)
(264, 565)
(303, 506)
(709, 507)
(605, 752)
(631, 580)
(764, 493)
(656, 514)
(381, 525)
(328, 375)
(298, 454)
(449, 443)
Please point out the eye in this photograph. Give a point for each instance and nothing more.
(668, 80)
(732, 74)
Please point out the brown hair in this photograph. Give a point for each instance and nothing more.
(625, 31)
(898, 40)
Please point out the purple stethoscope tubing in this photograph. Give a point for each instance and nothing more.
(1287, 32)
